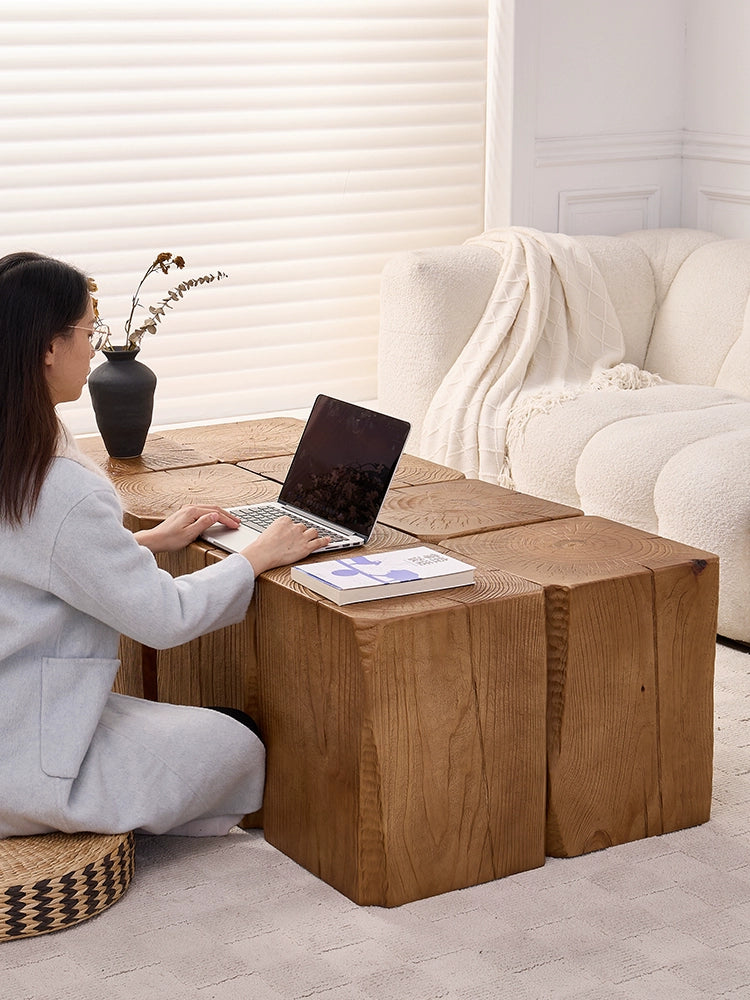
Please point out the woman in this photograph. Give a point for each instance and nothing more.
(76, 756)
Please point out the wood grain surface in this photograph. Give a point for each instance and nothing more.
(448, 509)
(274, 468)
(405, 738)
(129, 679)
(244, 440)
(148, 497)
(159, 452)
(414, 471)
(410, 471)
(631, 624)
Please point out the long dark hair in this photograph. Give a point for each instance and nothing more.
(40, 298)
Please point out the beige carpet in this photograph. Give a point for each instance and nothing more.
(662, 919)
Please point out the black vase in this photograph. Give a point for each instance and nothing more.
(122, 394)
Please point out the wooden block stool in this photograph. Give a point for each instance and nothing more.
(631, 639)
(406, 738)
(55, 880)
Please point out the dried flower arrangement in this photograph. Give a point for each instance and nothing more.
(163, 262)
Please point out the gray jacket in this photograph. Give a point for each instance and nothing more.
(75, 756)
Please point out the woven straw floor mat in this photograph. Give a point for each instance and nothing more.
(54, 880)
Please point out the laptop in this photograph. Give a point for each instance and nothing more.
(337, 481)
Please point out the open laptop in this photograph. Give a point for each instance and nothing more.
(337, 481)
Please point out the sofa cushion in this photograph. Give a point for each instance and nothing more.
(734, 374)
(702, 494)
(618, 468)
(431, 300)
(673, 456)
(544, 455)
(666, 250)
(702, 315)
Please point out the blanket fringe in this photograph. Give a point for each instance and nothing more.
(623, 376)
(506, 476)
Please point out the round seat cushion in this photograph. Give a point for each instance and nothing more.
(55, 880)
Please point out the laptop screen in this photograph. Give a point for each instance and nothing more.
(344, 463)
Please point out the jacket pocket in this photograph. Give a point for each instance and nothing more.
(74, 693)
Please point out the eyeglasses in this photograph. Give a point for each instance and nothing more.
(98, 336)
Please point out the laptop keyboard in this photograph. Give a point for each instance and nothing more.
(260, 517)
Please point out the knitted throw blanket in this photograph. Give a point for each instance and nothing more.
(549, 332)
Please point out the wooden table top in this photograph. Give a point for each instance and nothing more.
(149, 497)
(410, 471)
(242, 441)
(228, 464)
(160, 453)
(449, 509)
(245, 462)
(575, 550)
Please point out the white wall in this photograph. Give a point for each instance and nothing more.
(607, 67)
(631, 115)
(716, 174)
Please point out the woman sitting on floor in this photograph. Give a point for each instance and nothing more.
(75, 756)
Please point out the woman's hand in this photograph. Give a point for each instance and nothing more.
(283, 542)
(183, 527)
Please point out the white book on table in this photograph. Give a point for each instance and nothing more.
(383, 574)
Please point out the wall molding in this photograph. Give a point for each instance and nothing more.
(617, 209)
(612, 183)
(586, 149)
(724, 211)
(679, 144)
(716, 147)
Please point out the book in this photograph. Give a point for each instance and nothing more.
(383, 574)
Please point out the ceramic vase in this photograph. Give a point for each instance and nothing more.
(122, 394)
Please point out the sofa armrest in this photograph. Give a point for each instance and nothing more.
(430, 302)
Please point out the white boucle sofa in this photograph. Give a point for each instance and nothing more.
(673, 458)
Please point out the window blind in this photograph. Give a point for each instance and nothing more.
(295, 146)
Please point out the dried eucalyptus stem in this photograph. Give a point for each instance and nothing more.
(173, 295)
(164, 261)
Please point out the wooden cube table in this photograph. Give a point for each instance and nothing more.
(631, 630)
(410, 740)
(406, 737)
